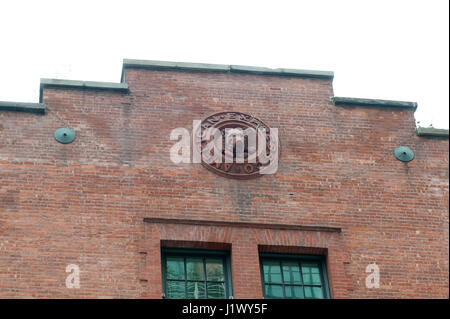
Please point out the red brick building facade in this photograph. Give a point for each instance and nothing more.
(113, 203)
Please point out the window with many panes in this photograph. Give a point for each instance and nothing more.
(294, 276)
(196, 274)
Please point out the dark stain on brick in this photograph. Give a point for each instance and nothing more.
(8, 200)
(241, 197)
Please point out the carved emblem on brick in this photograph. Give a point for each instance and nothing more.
(242, 146)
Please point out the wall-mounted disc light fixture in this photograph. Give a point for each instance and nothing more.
(64, 135)
(404, 154)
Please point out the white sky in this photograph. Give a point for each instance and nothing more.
(378, 49)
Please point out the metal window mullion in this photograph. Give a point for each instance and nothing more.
(282, 279)
(205, 279)
(261, 270)
(269, 277)
(185, 277)
(225, 277)
(199, 280)
(164, 270)
(277, 284)
(322, 281)
(301, 277)
(290, 284)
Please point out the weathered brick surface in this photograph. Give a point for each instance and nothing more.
(84, 203)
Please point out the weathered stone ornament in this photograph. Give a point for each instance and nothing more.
(235, 123)
(64, 135)
(404, 154)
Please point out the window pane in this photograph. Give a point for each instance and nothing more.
(214, 269)
(317, 292)
(175, 289)
(196, 290)
(308, 292)
(311, 274)
(175, 268)
(272, 271)
(194, 269)
(216, 290)
(291, 272)
(293, 291)
(293, 277)
(274, 291)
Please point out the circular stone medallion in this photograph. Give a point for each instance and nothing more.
(228, 163)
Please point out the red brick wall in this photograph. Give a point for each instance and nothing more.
(84, 203)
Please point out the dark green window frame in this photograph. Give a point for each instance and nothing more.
(320, 261)
(202, 254)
